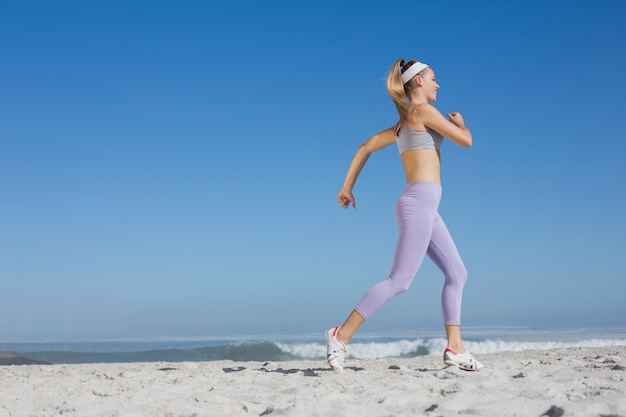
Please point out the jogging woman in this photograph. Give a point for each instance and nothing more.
(418, 134)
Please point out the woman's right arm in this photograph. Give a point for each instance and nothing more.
(452, 128)
(373, 144)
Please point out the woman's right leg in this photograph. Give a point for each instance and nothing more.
(416, 211)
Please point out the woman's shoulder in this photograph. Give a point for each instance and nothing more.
(421, 115)
(422, 107)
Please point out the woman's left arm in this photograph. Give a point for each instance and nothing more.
(373, 144)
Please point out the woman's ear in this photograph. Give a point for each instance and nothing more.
(418, 81)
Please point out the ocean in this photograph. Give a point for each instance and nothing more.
(282, 347)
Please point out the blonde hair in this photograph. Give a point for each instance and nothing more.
(398, 90)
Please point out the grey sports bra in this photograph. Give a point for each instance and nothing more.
(410, 140)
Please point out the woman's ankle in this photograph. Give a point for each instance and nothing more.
(340, 338)
(456, 347)
(455, 342)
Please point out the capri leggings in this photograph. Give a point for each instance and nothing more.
(421, 232)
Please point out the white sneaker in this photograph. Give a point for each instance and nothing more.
(464, 360)
(335, 350)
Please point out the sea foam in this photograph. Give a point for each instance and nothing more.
(421, 347)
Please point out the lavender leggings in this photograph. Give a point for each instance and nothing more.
(421, 232)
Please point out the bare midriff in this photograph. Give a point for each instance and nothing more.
(422, 165)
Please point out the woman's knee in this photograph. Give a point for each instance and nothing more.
(458, 276)
(400, 283)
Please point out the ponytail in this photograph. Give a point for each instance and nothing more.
(398, 90)
(395, 89)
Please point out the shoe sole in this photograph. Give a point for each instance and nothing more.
(463, 368)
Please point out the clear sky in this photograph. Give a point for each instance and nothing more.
(171, 168)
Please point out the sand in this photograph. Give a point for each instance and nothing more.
(553, 383)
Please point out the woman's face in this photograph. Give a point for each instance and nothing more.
(429, 85)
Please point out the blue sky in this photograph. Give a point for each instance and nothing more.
(171, 168)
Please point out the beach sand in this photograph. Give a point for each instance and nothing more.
(560, 382)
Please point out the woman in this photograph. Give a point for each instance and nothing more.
(418, 134)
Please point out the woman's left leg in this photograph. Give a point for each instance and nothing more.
(443, 252)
